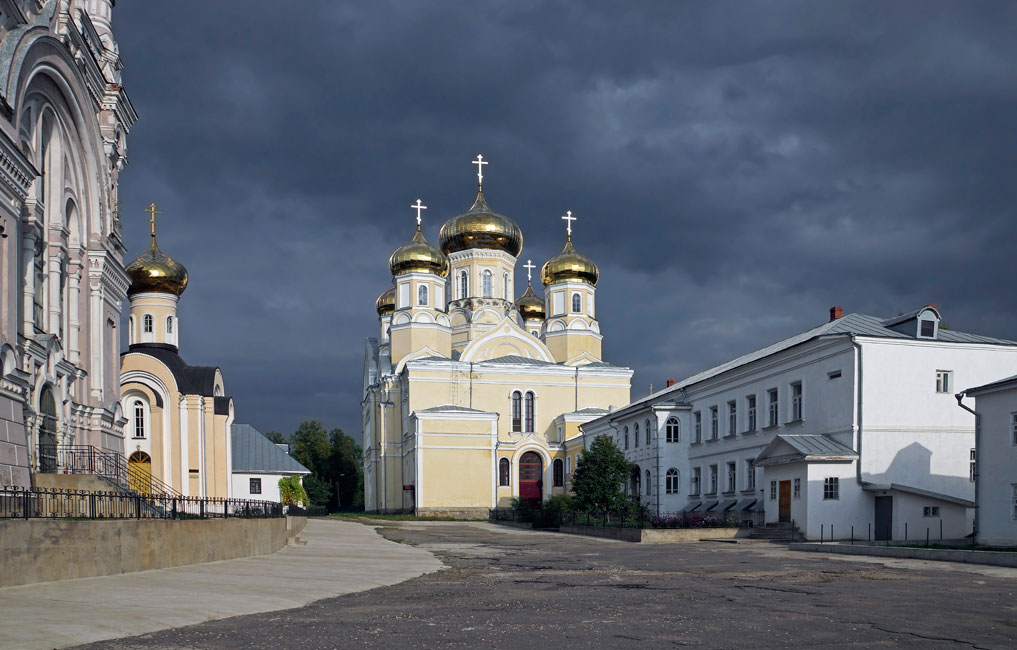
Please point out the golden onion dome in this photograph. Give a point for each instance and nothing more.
(531, 307)
(156, 271)
(386, 302)
(418, 256)
(569, 265)
(481, 227)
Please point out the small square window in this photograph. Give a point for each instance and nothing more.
(773, 490)
(928, 329)
(797, 488)
(930, 511)
(255, 486)
(944, 380)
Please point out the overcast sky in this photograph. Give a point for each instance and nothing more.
(737, 168)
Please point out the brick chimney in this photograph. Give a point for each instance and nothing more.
(836, 312)
(671, 382)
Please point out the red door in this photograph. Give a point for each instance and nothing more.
(531, 469)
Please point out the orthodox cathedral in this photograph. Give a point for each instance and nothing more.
(472, 396)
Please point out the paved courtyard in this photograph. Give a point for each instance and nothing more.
(508, 588)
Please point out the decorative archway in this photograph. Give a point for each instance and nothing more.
(139, 472)
(531, 483)
(47, 431)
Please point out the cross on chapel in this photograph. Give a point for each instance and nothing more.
(568, 218)
(529, 266)
(152, 212)
(418, 207)
(480, 162)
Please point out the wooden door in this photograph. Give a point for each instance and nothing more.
(531, 469)
(785, 501)
(139, 472)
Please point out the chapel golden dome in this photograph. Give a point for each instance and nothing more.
(156, 271)
(418, 256)
(481, 227)
(530, 306)
(386, 302)
(569, 266)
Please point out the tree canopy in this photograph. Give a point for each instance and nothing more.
(600, 475)
(334, 459)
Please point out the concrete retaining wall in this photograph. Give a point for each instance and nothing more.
(994, 558)
(40, 550)
(656, 535)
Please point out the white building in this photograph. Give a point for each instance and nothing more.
(258, 464)
(849, 424)
(994, 465)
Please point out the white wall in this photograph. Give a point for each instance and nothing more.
(269, 487)
(855, 507)
(909, 509)
(998, 471)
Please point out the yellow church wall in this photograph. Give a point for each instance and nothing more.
(455, 479)
(411, 337)
(567, 344)
(160, 306)
(166, 458)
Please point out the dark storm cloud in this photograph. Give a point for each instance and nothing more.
(737, 168)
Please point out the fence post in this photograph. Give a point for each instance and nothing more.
(926, 537)
(137, 506)
(792, 531)
(201, 508)
(852, 535)
(26, 502)
(905, 531)
(91, 505)
(869, 536)
(821, 531)
(940, 530)
(225, 508)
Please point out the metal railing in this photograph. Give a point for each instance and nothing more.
(86, 459)
(42, 503)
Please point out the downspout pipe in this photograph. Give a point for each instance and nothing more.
(978, 460)
(859, 403)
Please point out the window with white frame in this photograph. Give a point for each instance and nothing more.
(169, 324)
(255, 486)
(774, 408)
(558, 473)
(698, 417)
(635, 434)
(697, 481)
(464, 285)
(673, 430)
(148, 323)
(732, 477)
(577, 303)
(505, 286)
(944, 380)
(750, 413)
(422, 295)
(504, 472)
(714, 424)
(568, 464)
(530, 406)
(773, 490)
(796, 401)
(796, 492)
(139, 419)
(486, 283)
(646, 427)
(713, 479)
(972, 467)
(930, 511)
(672, 481)
(732, 418)
(831, 488)
(750, 474)
(517, 411)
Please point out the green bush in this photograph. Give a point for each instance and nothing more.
(291, 492)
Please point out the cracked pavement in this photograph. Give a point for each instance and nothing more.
(509, 588)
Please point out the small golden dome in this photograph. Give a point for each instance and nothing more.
(531, 307)
(385, 304)
(481, 227)
(156, 271)
(418, 256)
(569, 265)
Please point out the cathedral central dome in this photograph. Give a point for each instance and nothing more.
(156, 271)
(481, 227)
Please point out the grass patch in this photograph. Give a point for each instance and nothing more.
(354, 516)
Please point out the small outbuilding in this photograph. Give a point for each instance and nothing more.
(258, 464)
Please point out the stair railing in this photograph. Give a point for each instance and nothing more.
(86, 459)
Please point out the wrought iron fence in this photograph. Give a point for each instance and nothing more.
(29, 503)
(86, 459)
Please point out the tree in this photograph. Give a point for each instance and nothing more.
(601, 471)
(276, 438)
(319, 493)
(311, 447)
(291, 492)
(334, 459)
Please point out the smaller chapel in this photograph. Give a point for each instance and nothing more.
(178, 434)
(473, 392)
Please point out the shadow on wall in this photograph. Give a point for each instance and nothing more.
(912, 466)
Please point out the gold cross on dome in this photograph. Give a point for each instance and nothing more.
(568, 220)
(529, 266)
(152, 213)
(480, 162)
(418, 207)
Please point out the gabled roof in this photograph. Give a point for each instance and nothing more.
(897, 487)
(589, 410)
(253, 453)
(808, 447)
(999, 383)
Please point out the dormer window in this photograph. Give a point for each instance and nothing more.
(928, 324)
(928, 329)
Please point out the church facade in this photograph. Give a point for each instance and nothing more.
(64, 119)
(473, 396)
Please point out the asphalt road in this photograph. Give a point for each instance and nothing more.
(520, 589)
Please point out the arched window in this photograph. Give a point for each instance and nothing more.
(626, 437)
(674, 430)
(577, 303)
(504, 472)
(646, 426)
(422, 295)
(517, 411)
(529, 411)
(635, 434)
(464, 285)
(487, 281)
(568, 464)
(559, 473)
(504, 278)
(169, 324)
(671, 481)
(139, 420)
(648, 483)
(148, 323)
